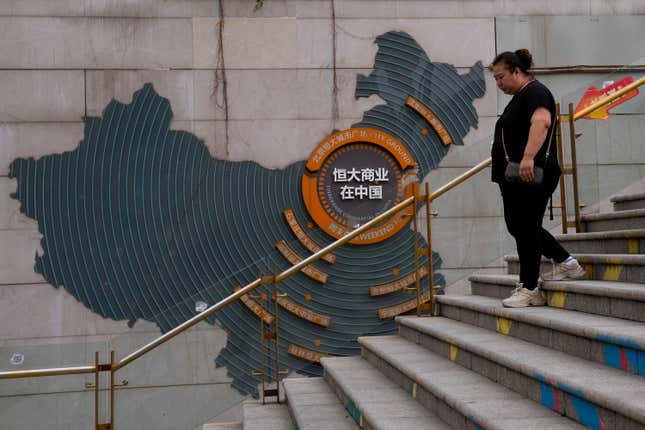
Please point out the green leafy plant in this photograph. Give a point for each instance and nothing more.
(258, 5)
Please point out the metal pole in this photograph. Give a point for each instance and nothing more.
(263, 371)
(429, 235)
(460, 179)
(186, 325)
(574, 168)
(343, 240)
(112, 394)
(79, 370)
(416, 251)
(96, 391)
(563, 192)
(275, 340)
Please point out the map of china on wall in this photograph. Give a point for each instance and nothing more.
(142, 222)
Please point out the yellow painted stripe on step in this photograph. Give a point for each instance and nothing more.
(614, 260)
(414, 390)
(504, 325)
(453, 352)
(632, 244)
(556, 299)
(360, 421)
(589, 271)
(612, 273)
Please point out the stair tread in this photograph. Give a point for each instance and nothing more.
(627, 197)
(270, 416)
(622, 290)
(609, 234)
(617, 331)
(607, 387)
(630, 213)
(314, 405)
(383, 403)
(223, 426)
(485, 402)
(635, 259)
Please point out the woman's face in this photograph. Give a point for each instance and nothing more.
(507, 81)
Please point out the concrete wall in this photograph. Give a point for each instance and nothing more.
(61, 60)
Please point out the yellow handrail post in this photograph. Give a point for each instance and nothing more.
(429, 239)
(563, 192)
(112, 387)
(267, 335)
(96, 391)
(262, 372)
(417, 251)
(276, 340)
(574, 168)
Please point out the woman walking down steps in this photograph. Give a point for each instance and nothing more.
(524, 135)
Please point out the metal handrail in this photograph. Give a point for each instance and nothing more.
(216, 307)
(251, 286)
(297, 267)
(79, 370)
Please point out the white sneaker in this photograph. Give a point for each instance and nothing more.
(561, 271)
(521, 298)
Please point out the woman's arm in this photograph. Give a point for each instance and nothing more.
(540, 123)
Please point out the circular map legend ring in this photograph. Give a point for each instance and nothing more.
(353, 176)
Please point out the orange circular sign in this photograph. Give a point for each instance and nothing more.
(354, 175)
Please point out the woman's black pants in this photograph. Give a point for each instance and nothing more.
(524, 207)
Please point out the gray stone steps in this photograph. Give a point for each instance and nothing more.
(613, 342)
(619, 220)
(222, 426)
(373, 400)
(593, 394)
(601, 267)
(624, 202)
(459, 396)
(613, 299)
(605, 242)
(270, 416)
(315, 406)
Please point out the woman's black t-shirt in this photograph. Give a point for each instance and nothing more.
(516, 122)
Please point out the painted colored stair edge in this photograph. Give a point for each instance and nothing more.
(586, 412)
(620, 353)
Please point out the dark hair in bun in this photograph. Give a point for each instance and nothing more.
(520, 59)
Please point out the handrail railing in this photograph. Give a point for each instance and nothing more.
(297, 267)
(253, 285)
(412, 200)
(219, 305)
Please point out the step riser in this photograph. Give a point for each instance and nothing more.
(629, 204)
(536, 387)
(446, 413)
(348, 403)
(599, 305)
(613, 224)
(489, 290)
(605, 246)
(306, 395)
(290, 407)
(597, 271)
(619, 357)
